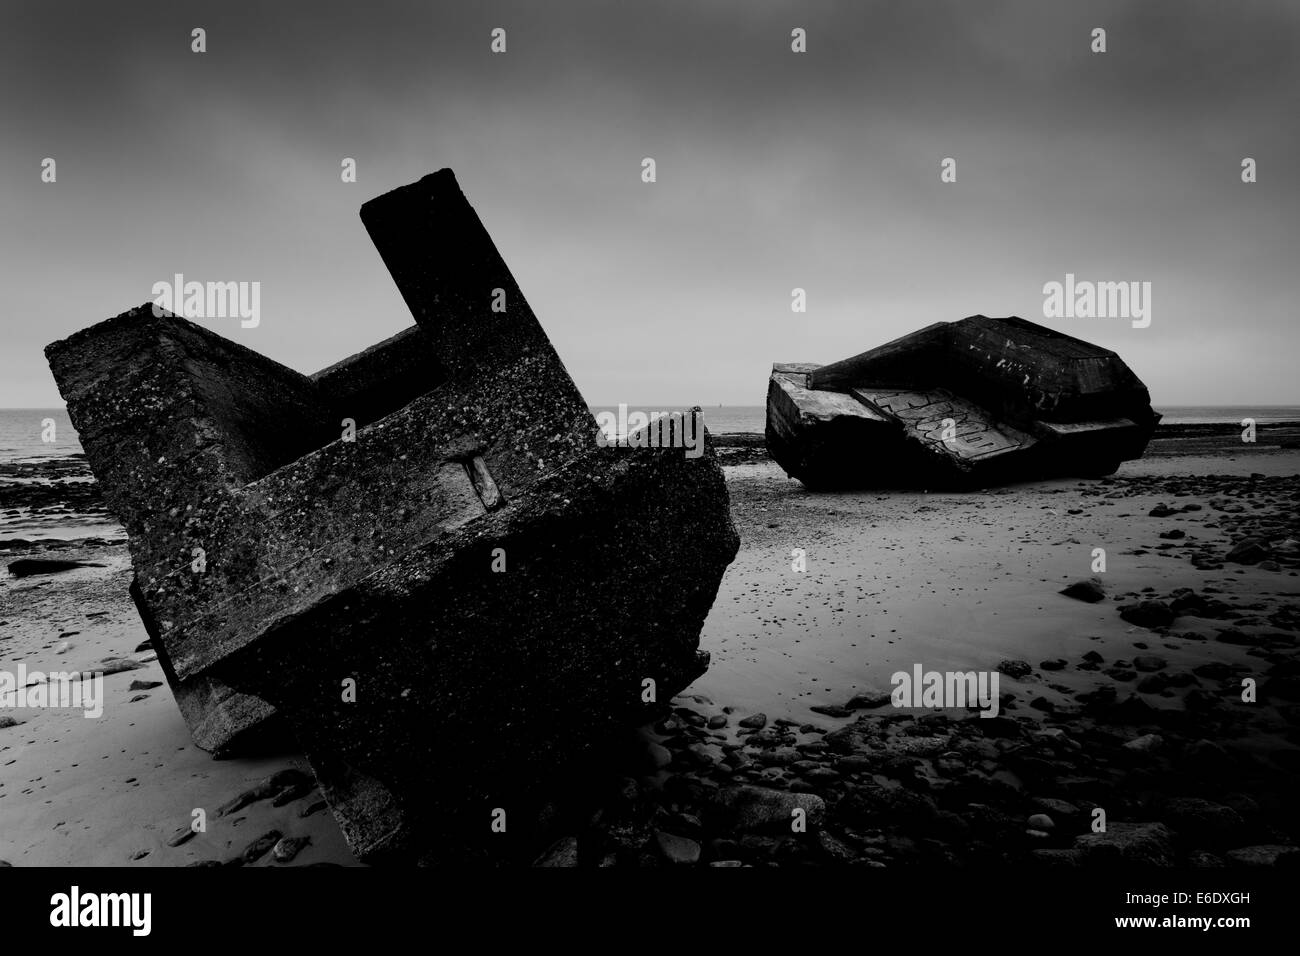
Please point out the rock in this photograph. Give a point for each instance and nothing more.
(287, 848)
(677, 849)
(312, 808)
(1213, 670)
(831, 710)
(1249, 551)
(290, 777)
(1153, 684)
(660, 755)
(260, 847)
(115, 665)
(754, 721)
(1162, 510)
(855, 763)
(144, 685)
(1053, 665)
(563, 852)
(1041, 821)
(7, 721)
(868, 700)
(183, 835)
(1056, 857)
(1173, 534)
(1147, 614)
(1017, 670)
(295, 791)
(886, 806)
(1089, 589)
(1202, 821)
(1062, 808)
(756, 808)
(1268, 854)
(1129, 844)
(717, 721)
(1145, 744)
(1149, 662)
(26, 567)
(259, 791)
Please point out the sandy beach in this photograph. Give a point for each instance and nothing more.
(1136, 711)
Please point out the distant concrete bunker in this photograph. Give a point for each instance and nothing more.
(972, 403)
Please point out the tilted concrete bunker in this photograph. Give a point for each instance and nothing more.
(959, 404)
(443, 605)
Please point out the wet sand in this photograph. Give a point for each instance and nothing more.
(950, 581)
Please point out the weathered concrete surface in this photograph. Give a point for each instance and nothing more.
(472, 683)
(968, 403)
(174, 420)
(495, 586)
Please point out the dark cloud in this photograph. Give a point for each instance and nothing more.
(775, 171)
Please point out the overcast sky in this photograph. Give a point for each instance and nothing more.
(775, 170)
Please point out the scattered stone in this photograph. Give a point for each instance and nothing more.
(183, 835)
(1131, 844)
(1268, 854)
(1145, 744)
(260, 847)
(831, 710)
(1090, 590)
(677, 849)
(868, 700)
(26, 567)
(295, 791)
(259, 791)
(287, 848)
(1203, 820)
(1016, 670)
(754, 808)
(754, 721)
(563, 852)
(312, 808)
(1249, 551)
(1147, 614)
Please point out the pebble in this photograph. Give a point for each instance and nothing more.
(289, 847)
(677, 849)
(260, 847)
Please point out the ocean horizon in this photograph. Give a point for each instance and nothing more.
(22, 430)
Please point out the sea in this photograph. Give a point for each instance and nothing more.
(26, 434)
